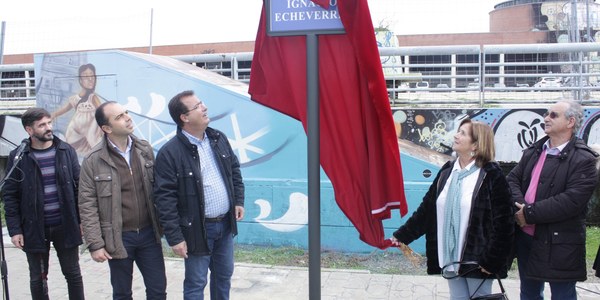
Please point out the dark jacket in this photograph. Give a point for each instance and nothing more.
(565, 186)
(178, 190)
(100, 202)
(491, 223)
(24, 197)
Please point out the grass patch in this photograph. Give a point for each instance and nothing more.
(382, 262)
(283, 256)
(591, 245)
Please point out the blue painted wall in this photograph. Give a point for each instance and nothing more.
(271, 146)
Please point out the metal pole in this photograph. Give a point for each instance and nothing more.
(2, 42)
(587, 16)
(151, 21)
(314, 181)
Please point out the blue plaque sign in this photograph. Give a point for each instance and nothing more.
(301, 17)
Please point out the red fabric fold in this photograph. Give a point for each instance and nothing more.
(359, 147)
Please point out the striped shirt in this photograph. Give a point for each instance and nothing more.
(47, 162)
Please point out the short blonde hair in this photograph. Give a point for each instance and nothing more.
(482, 136)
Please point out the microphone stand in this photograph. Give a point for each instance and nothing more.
(3, 268)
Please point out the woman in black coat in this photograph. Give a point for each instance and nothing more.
(468, 219)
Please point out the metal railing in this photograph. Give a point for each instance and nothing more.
(471, 74)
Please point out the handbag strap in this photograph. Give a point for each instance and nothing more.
(483, 280)
(471, 263)
(458, 263)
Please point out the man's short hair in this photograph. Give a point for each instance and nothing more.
(574, 111)
(101, 118)
(32, 115)
(176, 107)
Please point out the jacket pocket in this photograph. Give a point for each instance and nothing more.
(109, 237)
(149, 166)
(104, 193)
(189, 182)
(188, 233)
(567, 251)
(103, 185)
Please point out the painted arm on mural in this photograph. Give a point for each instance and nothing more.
(62, 110)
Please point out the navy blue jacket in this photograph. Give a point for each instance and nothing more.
(24, 197)
(490, 233)
(566, 184)
(178, 191)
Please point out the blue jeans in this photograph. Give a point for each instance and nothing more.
(220, 263)
(463, 288)
(69, 265)
(534, 289)
(143, 249)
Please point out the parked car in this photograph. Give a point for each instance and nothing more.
(499, 87)
(473, 87)
(549, 82)
(423, 85)
(522, 87)
(441, 87)
(403, 88)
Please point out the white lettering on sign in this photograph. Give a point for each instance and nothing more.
(306, 3)
(306, 15)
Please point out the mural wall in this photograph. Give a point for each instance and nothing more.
(271, 146)
(515, 129)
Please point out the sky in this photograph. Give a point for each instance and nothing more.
(38, 26)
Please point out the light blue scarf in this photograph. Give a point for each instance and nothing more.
(452, 215)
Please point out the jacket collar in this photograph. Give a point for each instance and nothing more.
(103, 148)
(574, 142)
(211, 134)
(56, 143)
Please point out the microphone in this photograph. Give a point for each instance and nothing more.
(21, 148)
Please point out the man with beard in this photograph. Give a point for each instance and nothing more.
(40, 202)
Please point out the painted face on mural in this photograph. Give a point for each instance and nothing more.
(87, 79)
(555, 121)
(463, 144)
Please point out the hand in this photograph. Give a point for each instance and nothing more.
(520, 215)
(395, 241)
(239, 213)
(18, 241)
(180, 249)
(100, 255)
(484, 271)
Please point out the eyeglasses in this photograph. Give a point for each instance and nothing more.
(193, 108)
(553, 115)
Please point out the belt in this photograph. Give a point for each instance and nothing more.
(215, 219)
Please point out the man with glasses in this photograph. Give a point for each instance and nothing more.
(116, 205)
(199, 194)
(551, 186)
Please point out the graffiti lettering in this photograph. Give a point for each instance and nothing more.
(529, 134)
(443, 114)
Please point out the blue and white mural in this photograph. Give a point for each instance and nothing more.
(271, 146)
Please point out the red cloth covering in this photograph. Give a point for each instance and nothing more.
(359, 147)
